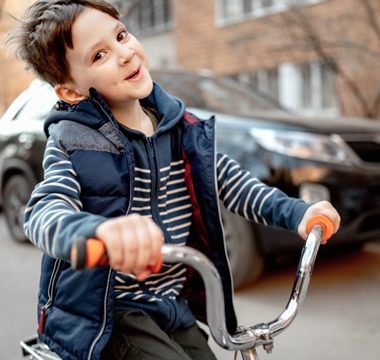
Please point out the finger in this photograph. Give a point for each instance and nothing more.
(142, 275)
(326, 208)
(337, 223)
(144, 247)
(114, 246)
(156, 236)
(130, 247)
(335, 219)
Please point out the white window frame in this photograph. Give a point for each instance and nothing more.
(258, 10)
(290, 91)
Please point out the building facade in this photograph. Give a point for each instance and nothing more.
(317, 57)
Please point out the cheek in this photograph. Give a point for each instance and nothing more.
(99, 79)
(141, 54)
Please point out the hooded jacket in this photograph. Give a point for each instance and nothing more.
(90, 177)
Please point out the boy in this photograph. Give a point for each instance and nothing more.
(126, 164)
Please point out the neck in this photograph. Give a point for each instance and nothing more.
(132, 116)
(129, 114)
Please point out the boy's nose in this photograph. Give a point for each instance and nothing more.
(126, 55)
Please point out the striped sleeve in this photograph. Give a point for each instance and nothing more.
(247, 196)
(54, 216)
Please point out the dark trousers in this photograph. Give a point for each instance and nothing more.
(138, 337)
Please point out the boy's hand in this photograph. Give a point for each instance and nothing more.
(320, 208)
(133, 242)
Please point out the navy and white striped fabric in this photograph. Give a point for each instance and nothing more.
(176, 214)
(55, 204)
(174, 206)
(173, 199)
(240, 192)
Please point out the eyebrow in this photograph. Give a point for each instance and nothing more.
(99, 43)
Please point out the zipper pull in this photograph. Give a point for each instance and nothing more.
(150, 141)
(41, 327)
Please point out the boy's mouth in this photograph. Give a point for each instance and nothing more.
(134, 75)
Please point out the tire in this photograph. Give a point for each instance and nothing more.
(16, 195)
(246, 261)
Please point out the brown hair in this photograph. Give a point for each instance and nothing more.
(44, 31)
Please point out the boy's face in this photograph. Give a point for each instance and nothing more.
(105, 56)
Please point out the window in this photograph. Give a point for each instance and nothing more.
(145, 17)
(264, 81)
(232, 11)
(308, 88)
(317, 86)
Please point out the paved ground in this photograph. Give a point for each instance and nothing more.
(340, 319)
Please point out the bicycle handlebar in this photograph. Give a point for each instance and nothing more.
(246, 338)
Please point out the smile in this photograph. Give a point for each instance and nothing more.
(135, 76)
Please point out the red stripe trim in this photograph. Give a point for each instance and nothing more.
(198, 222)
(190, 118)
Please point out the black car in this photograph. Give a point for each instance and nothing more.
(315, 159)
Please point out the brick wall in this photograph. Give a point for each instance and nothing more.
(267, 42)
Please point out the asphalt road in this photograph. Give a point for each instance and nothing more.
(339, 320)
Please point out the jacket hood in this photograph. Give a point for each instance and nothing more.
(94, 112)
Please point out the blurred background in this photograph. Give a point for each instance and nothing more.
(295, 86)
(316, 57)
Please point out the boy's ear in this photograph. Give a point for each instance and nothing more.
(68, 95)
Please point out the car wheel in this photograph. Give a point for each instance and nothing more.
(246, 260)
(16, 195)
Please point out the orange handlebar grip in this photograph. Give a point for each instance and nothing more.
(96, 253)
(88, 253)
(325, 223)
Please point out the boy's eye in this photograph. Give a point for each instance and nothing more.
(99, 55)
(122, 35)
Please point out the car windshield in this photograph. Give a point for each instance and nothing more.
(211, 93)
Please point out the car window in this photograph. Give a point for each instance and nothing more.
(212, 93)
(38, 106)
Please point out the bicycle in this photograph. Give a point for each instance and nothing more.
(89, 253)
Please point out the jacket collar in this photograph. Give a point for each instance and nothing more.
(94, 112)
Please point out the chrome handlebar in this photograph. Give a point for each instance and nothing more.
(246, 339)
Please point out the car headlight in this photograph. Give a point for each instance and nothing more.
(302, 145)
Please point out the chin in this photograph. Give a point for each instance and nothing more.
(148, 88)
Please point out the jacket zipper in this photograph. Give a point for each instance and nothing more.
(155, 190)
(43, 309)
(104, 317)
(105, 113)
(150, 141)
